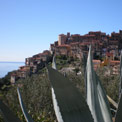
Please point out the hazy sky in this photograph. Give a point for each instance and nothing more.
(28, 27)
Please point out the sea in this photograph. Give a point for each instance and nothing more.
(6, 67)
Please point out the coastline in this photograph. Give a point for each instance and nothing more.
(6, 67)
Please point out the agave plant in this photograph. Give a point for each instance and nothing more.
(96, 97)
(118, 117)
(56, 107)
(7, 114)
(26, 115)
(69, 104)
(120, 85)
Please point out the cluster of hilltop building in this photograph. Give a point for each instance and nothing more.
(106, 50)
(32, 65)
(76, 45)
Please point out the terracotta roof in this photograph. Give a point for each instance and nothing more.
(109, 54)
(24, 67)
(113, 61)
(89, 35)
(23, 70)
(75, 43)
(38, 58)
(63, 46)
(13, 74)
(75, 35)
(96, 61)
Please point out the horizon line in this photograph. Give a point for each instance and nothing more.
(12, 61)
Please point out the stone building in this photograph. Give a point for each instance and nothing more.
(61, 39)
(63, 50)
(76, 50)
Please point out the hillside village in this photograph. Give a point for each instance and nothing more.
(106, 51)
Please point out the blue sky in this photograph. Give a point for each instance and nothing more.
(28, 27)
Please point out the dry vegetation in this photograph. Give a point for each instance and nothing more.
(36, 94)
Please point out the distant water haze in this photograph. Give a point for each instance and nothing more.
(6, 67)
